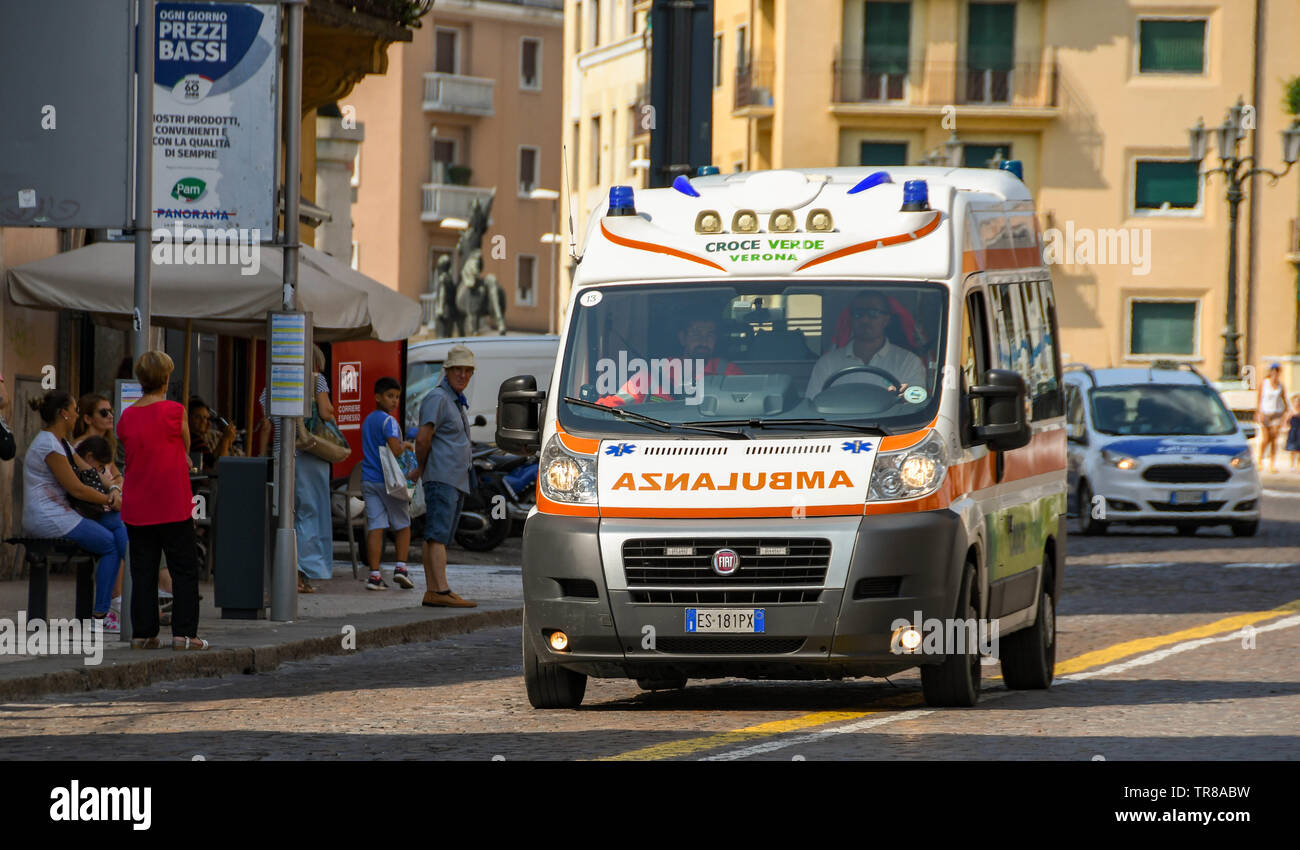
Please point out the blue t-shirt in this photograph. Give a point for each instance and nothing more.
(375, 431)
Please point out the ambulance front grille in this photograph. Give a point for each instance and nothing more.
(767, 561)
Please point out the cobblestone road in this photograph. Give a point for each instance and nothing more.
(1227, 697)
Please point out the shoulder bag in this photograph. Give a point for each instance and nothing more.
(91, 478)
(321, 438)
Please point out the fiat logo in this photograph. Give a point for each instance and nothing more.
(725, 562)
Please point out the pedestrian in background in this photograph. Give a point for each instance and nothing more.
(443, 454)
(380, 433)
(157, 507)
(49, 478)
(313, 522)
(1270, 411)
(1293, 433)
(206, 443)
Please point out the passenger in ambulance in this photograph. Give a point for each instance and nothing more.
(868, 347)
(698, 339)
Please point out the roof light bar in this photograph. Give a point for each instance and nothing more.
(745, 221)
(916, 196)
(782, 221)
(708, 221)
(622, 201)
(873, 179)
(820, 221)
(683, 184)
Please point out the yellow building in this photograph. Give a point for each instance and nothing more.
(1095, 99)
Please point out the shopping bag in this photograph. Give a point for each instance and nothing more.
(394, 479)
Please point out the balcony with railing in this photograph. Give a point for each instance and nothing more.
(459, 94)
(1018, 86)
(754, 83)
(446, 200)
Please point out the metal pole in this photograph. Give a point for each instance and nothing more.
(284, 585)
(144, 42)
(1231, 369)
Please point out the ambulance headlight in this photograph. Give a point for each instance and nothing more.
(1118, 460)
(567, 477)
(909, 473)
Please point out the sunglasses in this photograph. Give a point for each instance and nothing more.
(105, 412)
(871, 312)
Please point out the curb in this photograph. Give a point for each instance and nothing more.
(245, 660)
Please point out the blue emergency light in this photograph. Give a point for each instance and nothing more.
(683, 184)
(1014, 166)
(873, 179)
(622, 201)
(916, 196)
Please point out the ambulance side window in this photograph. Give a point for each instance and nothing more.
(974, 355)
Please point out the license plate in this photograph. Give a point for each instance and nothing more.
(1188, 497)
(744, 620)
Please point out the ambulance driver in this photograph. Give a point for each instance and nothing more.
(868, 347)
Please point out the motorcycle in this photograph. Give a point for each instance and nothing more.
(500, 501)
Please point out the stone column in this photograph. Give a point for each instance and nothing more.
(336, 150)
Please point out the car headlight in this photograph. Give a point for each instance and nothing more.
(1242, 461)
(567, 477)
(1119, 461)
(909, 473)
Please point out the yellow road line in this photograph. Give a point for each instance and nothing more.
(687, 746)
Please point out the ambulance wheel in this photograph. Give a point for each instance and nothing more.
(1245, 529)
(1029, 655)
(956, 681)
(1088, 525)
(661, 684)
(550, 685)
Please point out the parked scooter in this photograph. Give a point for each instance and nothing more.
(502, 498)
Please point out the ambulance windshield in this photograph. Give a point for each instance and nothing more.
(834, 355)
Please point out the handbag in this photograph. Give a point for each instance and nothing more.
(394, 478)
(321, 438)
(89, 477)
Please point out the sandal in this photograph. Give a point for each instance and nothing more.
(190, 643)
(146, 643)
(304, 586)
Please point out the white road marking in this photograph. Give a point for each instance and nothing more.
(1136, 566)
(1260, 565)
(986, 696)
(1283, 494)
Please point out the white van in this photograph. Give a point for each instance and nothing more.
(803, 425)
(495, 359)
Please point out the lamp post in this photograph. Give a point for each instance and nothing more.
(553, 237)
(1236, 170)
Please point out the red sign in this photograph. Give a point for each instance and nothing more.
(355, 368)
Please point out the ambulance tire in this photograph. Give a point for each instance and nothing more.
(550, 685)
(1087, 524)
(956, 681)
(1245, 529)
(1029, 655)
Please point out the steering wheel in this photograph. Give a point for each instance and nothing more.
(893, 381)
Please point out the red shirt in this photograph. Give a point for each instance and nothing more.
(638, 386)
(156, 488)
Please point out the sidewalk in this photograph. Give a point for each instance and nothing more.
(256, 646)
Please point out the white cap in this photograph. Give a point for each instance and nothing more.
(459, 355)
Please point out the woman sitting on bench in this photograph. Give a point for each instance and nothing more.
(49, 480)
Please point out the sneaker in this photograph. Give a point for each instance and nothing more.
(447, 599)
(375, 583)
(402, 579)
(112, 625)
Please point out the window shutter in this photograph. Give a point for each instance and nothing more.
(1163, 327)
(1172, 47)
(1159, 182)
(991, 33)
(887, 34)
(882, 153)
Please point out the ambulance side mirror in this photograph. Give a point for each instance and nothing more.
(519, 414)
(1006, 423)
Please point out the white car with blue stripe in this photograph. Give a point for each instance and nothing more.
(1156, 446)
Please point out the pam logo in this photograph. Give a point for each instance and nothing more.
(189, 189)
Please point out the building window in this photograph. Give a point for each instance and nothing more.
(595, 150)
(1163, 328)
(717, 61)
(886, 39)
(882, 153)
(526, 281)
(577, 27)
(1162, 186)
(595, 23)
(990, 51)
(574, 156)
(984, 156)
(446, 51)
(1171, 47)
(527, 169)
(742, 48)
(530, 64)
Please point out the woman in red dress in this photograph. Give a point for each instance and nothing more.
(156, 507)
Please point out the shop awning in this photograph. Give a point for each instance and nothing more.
(217, 297)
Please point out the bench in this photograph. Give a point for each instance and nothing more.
(37, 552)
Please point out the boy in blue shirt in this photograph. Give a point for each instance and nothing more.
(380, 433)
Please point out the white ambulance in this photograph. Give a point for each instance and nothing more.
(800, 421)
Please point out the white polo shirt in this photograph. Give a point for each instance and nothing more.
(899, 362)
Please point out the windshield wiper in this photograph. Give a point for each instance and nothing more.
(771, 423)
(641, 419)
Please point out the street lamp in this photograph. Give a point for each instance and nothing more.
(1236, 170)
(554, 197)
